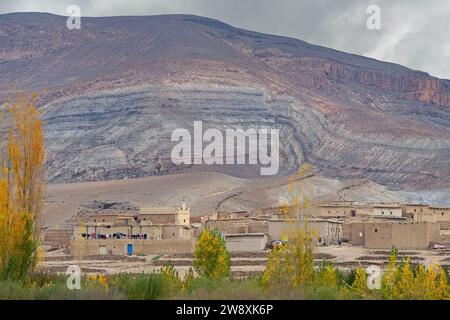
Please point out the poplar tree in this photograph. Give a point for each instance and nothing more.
(22, 184)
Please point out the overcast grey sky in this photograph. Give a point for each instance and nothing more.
(414, 33)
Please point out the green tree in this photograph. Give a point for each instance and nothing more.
(212, 259)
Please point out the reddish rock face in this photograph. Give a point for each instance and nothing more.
(112, 92)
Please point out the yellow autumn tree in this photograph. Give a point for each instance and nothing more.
(327, 276)
(442, 291)
(405, 286)
(402, 281)
(22, 185)
(389, 279)
(359, 284)
(212, 259)
(292, 263)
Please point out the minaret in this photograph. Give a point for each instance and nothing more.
(184, 213)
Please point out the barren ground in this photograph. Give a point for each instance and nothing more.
(243, 263)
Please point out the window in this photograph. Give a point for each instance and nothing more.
(103, 220)
(376, 230)
(382, 212)
(414, 210)
(442, 213)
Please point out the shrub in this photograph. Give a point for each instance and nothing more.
(142, 287)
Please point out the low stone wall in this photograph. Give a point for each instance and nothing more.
(140, 247)
(57, 237)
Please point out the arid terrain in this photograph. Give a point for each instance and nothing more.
(210, 192)
(112, 93)
(243, 263)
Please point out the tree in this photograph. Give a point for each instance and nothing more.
(22, 184)
(293, 262)
(212, 259)
(359, 285)
(442, 288)
(388, 281)
(405, 286)
(401, 281)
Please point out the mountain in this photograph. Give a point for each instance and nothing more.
(112, 93)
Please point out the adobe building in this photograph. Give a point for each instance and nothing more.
(139, 247)
(328, 231)
(385, 234)
(153, 230)
(239, 225)
(441, 214)
(415, 212)
(241, 242)
(343, 210)
(165, 215)
(241, 233)
(387, 211)
(109, 219)
(335, 210)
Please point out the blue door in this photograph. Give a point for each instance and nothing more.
(130, 249)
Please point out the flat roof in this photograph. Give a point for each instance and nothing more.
(120, 215)
(306, 220)
(159, 210)
(393, 206)
(258, 234)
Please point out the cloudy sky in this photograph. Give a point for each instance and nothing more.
(414, 33)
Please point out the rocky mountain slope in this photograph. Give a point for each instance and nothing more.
(112, 93)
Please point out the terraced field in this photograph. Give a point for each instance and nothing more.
(243, 264)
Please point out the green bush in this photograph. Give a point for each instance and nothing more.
(142, 287)
(225, 289)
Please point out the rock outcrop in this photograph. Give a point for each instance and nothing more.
(112, 93)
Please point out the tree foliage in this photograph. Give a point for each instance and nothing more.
(403, 281)
(212, 259)
(292, 263)
(359, 285)
(21, 185)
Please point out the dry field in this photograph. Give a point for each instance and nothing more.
(243, 263)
